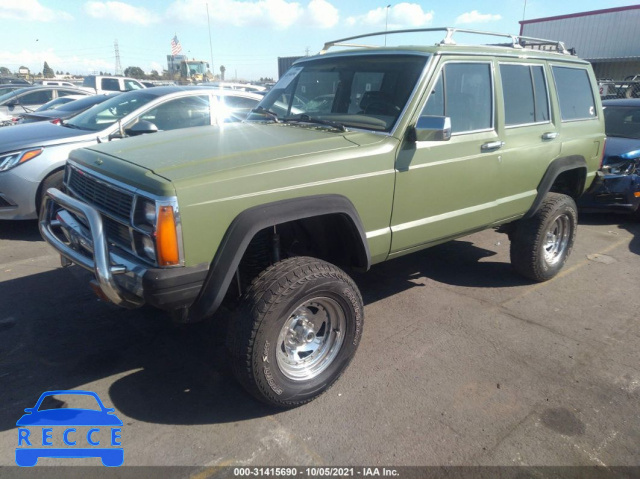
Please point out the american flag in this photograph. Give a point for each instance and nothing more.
(176, 48)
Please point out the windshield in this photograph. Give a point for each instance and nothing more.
(364, 91)
(622, 121)
(110, 111)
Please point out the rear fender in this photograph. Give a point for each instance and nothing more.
(553, 173)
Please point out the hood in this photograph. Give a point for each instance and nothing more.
(197, 152)
(29, 135)
(617, 148)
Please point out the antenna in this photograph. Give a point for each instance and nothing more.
(118, 64)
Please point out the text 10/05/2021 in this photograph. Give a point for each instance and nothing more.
(315, 472)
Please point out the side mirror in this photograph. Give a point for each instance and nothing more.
(433, 128)
(141, 128)
(11, 105)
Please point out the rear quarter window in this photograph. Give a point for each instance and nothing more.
(575, 94)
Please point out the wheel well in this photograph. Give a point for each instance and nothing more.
(332, 238)
(41, 185)
(570, 182)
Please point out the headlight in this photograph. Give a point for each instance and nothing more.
(145, 246)
(11, 160)
(145, 214)
(626, 167)
(157, 238)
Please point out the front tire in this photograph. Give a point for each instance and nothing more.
(54, 180)
(541, 245)
(296, 331)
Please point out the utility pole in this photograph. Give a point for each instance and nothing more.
(210, 44)
(118, 65)
(386, 24)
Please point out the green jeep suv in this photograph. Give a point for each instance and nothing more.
(356, 156)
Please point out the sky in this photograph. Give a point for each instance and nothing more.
(246, 36)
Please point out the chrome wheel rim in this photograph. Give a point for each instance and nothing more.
(557, 240)
(311, 338)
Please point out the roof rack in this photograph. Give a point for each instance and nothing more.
(516, 40)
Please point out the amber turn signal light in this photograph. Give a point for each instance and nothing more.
(167, 237)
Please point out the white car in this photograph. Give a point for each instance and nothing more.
(100, 84)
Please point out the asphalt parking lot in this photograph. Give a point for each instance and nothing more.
(462, 362)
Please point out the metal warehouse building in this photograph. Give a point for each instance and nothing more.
(609, 39)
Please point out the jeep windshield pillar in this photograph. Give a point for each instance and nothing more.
(356, 156)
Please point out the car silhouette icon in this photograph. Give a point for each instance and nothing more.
(67, 418)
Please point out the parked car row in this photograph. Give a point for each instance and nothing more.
(19, 101)
(33, 154)
(620, 187)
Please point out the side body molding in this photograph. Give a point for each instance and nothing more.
(245, 226)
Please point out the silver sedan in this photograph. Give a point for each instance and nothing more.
(33, 155)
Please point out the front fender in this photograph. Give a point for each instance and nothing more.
(245, 226)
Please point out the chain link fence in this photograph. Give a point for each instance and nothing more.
(627, 88)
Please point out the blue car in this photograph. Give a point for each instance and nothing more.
(620, 188)
(28, 450)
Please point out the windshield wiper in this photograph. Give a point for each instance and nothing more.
(269, 113)
(318, 121)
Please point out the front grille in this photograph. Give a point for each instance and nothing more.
(115, 205)
(117, 233)
(95, 192)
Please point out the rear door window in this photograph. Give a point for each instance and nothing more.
(525, 94)
(575, 94)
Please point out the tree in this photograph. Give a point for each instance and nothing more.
(222, 70)
(4, 71)
(134, 72)
(154, 75)
(47, 71)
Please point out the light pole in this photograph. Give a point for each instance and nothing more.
(210, 44)
(386, 23)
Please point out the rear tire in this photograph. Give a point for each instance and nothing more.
(296, 331)
(540, 245)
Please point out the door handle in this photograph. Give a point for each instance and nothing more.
(551, 135)
(492, 145)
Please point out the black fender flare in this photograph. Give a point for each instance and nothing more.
(245, 226)
(555, 169)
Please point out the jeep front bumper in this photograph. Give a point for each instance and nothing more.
(76, 230)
